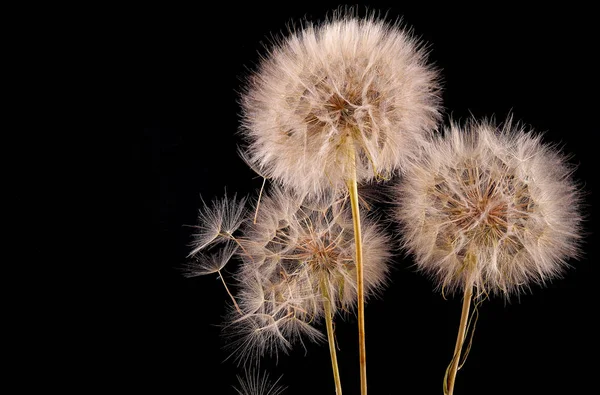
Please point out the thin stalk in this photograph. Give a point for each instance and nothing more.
(353, 190)
(259, 196)
(460, 339)
(331, 339)
(229, 293)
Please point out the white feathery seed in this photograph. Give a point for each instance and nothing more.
(210, 263)
(218, 222)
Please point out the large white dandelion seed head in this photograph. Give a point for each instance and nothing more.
(492, 207)
(349, 95)
(298, 254)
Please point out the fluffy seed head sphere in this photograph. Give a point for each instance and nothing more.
(350, 97)
(299, 254)
(310, 243)
(489, 206)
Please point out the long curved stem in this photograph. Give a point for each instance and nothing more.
(353, 190)
(460, 339)
(331, 339)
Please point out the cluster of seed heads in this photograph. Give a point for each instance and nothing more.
(296, 254)
(354, 99)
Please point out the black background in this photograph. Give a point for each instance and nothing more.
(534, 63)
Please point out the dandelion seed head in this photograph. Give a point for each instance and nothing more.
(296, 243)
(297, 254)
(348, 84)
(492, 206)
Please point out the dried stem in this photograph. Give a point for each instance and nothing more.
(450, 377)
(331, 338)
(353, 190)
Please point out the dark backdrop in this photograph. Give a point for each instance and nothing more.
(534, 62)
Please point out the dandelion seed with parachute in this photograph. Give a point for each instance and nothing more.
(218, 222)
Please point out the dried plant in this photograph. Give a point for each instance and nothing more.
(485, 210)
(335, 104)
(491, 209)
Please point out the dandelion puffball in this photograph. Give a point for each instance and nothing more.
(349, 99)
(297, 254)
(490, 207)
